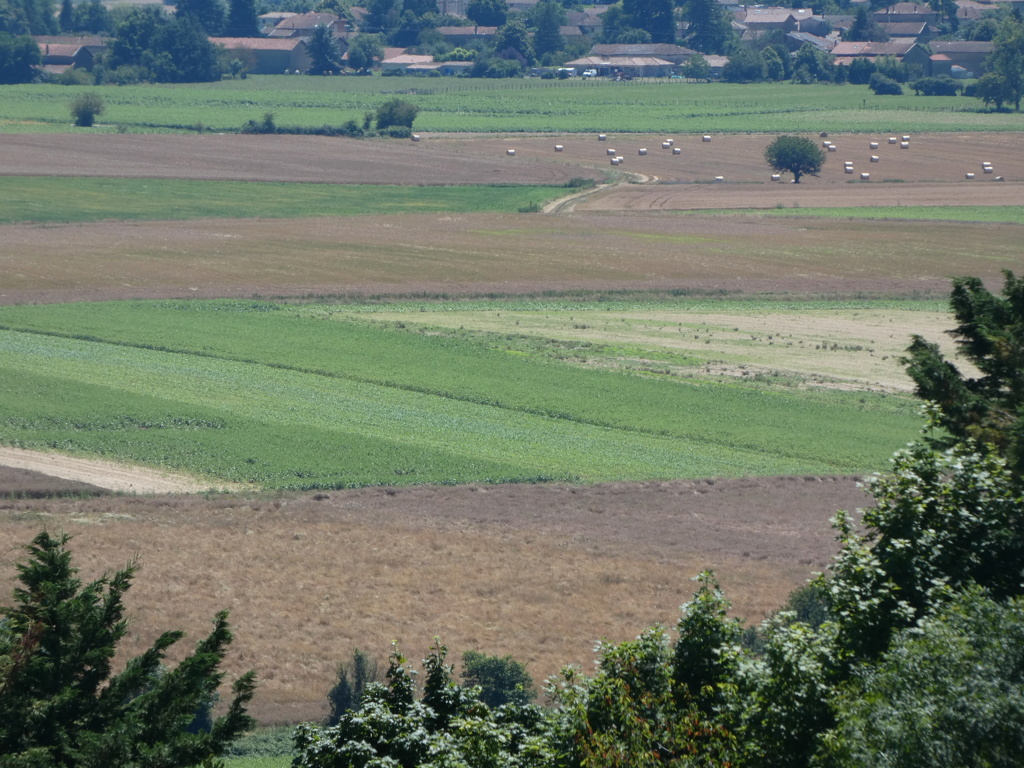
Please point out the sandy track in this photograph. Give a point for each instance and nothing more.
(103, 474)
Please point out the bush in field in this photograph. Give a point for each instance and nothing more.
(396, 112)
(884, 86)
(943, 85)
(86, 108)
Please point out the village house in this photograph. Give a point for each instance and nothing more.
(906, 12)
(266, 55)
(303, 25)
(673, 54)
(970, 55)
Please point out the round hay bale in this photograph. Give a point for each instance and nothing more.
(719, 179)
(873, 145)
(826, 143)
(904, 145)
(988, 169)
(865, 177)
(848, 169)
(510, 152)
(906, 138)
(892, 139)
(874, 158)
(559, 147)
(602, 137)
(998, 178)
(832, 148)
(776, 177)
(969, 175)
(677, 151)
(705, 138)
(641, 151)
(415, 137)
(665, 145)
(611, 152)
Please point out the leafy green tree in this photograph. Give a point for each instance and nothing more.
(324, 55)
(656, 17)
(352, 680)
(696, 67)
(382, 17)
(92, 17)
(947, 694)
(865, 28)
(794, 154)
(19, 56)
(774, 64)
(86, 108)
(28, 17)
(164, 49)
(487, 13)
(710, 28)
(512, 41)
(548, 17)
(67, 10)
(745, 66)
(59, 703)
(447, 726)
(209, 14)
(1007, 58)
(987, 408)
(501, 679)
(861, 70)
(242, 20)
(364, 51)
(992, 88)
(815, 65)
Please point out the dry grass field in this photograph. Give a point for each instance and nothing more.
(539, 572)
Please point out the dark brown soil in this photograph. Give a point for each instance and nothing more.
(25, 484)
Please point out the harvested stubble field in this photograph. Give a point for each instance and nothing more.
(538, 572)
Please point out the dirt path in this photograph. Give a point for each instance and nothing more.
(104, 474)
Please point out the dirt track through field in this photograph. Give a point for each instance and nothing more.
(106, 474)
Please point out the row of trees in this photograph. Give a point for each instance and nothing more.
(909, 652)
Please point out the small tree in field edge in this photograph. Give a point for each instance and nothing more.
(795, 154)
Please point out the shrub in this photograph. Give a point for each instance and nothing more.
(398, 113)
(943, 85)
(884, 86)
(85, 109)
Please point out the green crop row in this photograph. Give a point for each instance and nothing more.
(267, 393)
(506, 106)
(63, 199)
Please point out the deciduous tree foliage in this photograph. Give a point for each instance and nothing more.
(18, 58)
(795, 154)
(324, 55)
(60, 704)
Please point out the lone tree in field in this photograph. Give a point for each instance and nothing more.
(60, 705)
(795, 154)
(86, 108)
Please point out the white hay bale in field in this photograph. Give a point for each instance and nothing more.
(906, 138)
(705, 138)
(847, 162)
(666, 144)
(615, 161)
(670, 142)
(998, 178)
(415, 137)
(892, 139)
(719, 179)
(865, 177)
(602, 137)
(986, 164)
(677, 151)
(969, 175)
(611, 152)
(776, 177)
(848, 169)
(874, 158)
(510, 152)
(559, 147)
(988, 169)
(832, 148)
(641, 151)
(826, 143)
(904, 145)
(873, 145)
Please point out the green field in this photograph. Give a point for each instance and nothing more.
(504, 106)
(314, 397)
(69, 199)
